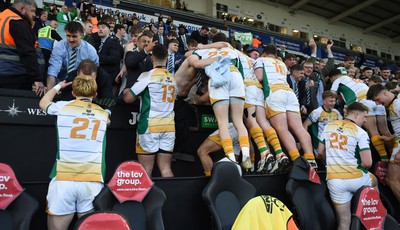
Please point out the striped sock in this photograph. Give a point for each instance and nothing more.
(380, 147)
(309, 156)
(227, 146)
(258, 136)
(273, 140)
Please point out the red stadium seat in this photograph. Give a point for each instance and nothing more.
(102, 221)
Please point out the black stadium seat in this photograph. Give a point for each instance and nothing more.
(226, 193)
(311, 206)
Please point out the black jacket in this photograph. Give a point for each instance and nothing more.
(136, 63)
(110, 57)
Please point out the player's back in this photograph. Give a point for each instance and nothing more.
(351, 89)
(157, 105)
(275, 71)
(394, 116)
(344, 140)
(81, 128)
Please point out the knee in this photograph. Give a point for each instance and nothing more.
(202, 152)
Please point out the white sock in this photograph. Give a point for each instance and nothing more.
(231, 156)
(245, 153)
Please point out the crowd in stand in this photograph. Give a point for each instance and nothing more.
(266, 94)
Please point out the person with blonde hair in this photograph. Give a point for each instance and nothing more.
(78, 173)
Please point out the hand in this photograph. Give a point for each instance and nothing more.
(329, 45)
(150, 46)
(387, 138)
(178, 61)
(39, 88)
(121, 74)
(129, 46)
(312, 43)
(64, 84)
(303, 109)
(310, 84)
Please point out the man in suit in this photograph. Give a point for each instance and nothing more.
(161, 37)
(183, 39)
(138, 60)
(40, 22)
(201, 36)
(294, 79)
(175, 59)
(110, 51)
(104, 97)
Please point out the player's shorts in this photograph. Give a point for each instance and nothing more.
(396, 149)
(68, 197)
(281, 101)
(254, 96)
(374, 109)
(342, 190)
(234, 88)
(151, 143)
(214, 137)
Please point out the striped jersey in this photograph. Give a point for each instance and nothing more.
(319, 118)
(351, 89)
(246, 68)
(157, 89)
(81, 129)
(226, 51)
(274, 74)
(394, 116)
(344, 140)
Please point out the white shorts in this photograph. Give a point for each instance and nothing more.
(281, 101)
(396, 149)
(68, 197)
(150, 143)
(234, 88)
(374, 109)
(342, 190)
(214, 137)
(254, 96)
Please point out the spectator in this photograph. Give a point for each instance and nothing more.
(53, 13)
(175, 59)
(171, 35)
(161, 37)
(154, 139)
(71, 170)
(211, 34)
(40, 22)
(385, 74)
(200, 35)
(290, 60)
(310, 89)
(282, 51)
(321, 117)
(104, 97)
(285, 114)
(346, 172)
(63, 17)
(256, 41)
(46, 37)
(366, 74)
(253, 53)
(87, 33)
(110, 52)
(120, 32)
(169, 25)
(18, 58)
(138, 60)
(68, 53)
(294, 79)
(355, 91)
(183, 38)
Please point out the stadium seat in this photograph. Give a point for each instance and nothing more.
(356, 210)
(144, 215)
(102, 221)
(226, 193)
(17, 212)
(310, 204)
